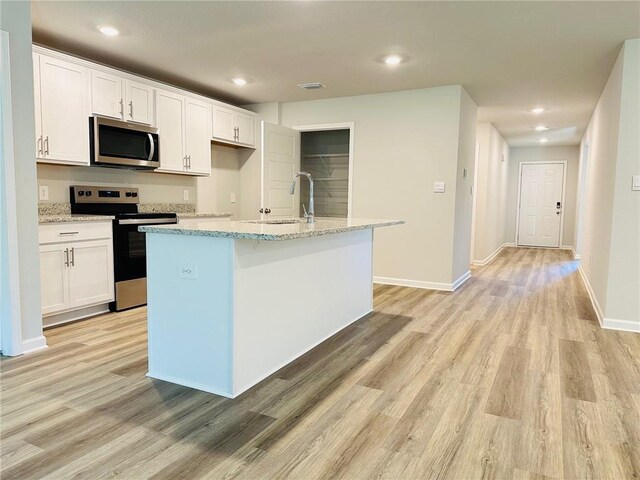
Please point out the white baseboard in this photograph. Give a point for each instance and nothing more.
(509, 244)
(608, 323)
(34, 344)
(403, 282)
(623, 325)
(482, 263)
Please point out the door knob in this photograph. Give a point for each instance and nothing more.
(261, 210)
(267, 210)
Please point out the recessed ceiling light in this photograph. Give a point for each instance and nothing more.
(537, 110)
(239, 81)
(109, 31)
(541, 128)
(543, 140)
(393, 59)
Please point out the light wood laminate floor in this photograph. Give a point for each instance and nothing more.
(509, 377)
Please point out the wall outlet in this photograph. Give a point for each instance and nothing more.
(232, 197)
(185, 194)
(438, 187)
(188, 270)
(43, 192)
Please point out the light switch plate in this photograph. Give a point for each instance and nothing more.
(188, 270)
(438, 187)
(233, 197)
(43, 192)
(185, 194)
(635, 184)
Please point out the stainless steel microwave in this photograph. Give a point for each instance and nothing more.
(124, 145)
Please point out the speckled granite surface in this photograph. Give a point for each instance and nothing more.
(203, 215)
(66, 218)
(54, 208)
(166, 208)
(258, 231)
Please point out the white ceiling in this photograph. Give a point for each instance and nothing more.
(509, 56)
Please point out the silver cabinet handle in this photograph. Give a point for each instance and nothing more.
(121, 108)
(153, 146)
(40, 145)
(46, 145)
(66, 257)
(238, 136)
(68, 233)
(73, 257)
(189, 162)
(184, 162)
(131, 109)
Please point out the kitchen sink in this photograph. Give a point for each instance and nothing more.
(276, 221)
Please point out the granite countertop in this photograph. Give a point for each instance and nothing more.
(261, 231)
(202, 215)
(68, 217)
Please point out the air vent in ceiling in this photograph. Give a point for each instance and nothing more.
(311, 86)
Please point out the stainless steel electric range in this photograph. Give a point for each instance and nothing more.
(129, 247)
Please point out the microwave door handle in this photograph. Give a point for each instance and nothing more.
(153, 146)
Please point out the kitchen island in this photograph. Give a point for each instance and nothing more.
(229, 303)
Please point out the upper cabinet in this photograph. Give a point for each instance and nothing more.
(122, 99)
(234, 127)
(185, 141)
(61, 111)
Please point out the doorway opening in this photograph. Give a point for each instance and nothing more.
(326, 152)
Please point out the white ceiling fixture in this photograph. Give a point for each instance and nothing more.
(311, 86)
(450, 43)
(537, 110)
(541, 128)
(543, 140)
(109, 31)
(393, 60)
(239, 81)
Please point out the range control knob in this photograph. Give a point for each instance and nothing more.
(81, 193)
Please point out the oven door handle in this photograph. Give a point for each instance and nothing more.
(153, 146)
(146, 221)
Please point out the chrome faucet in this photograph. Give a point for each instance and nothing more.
(308, 215)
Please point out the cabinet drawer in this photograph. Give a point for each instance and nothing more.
(74, 231)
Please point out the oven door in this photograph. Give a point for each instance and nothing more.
(116, 143)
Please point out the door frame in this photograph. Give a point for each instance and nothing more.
(337, 126)
(518, 199)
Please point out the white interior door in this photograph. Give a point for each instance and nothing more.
(280, 162)
(541, 196)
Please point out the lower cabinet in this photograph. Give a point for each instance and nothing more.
(76, 274)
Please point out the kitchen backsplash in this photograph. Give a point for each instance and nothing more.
(50, 208)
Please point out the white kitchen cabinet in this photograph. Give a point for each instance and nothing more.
(197, 136)
(115, 97)
(75, 273)
(183, 126)
(62, 111)
(232, 126)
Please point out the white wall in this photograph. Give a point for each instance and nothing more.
(15, 18)
(491, 192)
(403, 143)
(154, 187)
(610, 220)
(518, 155)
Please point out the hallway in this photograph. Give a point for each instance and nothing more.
(509, 377)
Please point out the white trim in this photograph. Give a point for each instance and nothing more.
(34, 344)
(564, 189)
(11, 329)
(404, 282)
(509, 244)
(592, 295)
(338, 126)
(482, 263)
(74, 315)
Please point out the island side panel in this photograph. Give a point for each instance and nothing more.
(291, 295)
(189, 289)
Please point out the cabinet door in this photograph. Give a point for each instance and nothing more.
(223, 126)
(170, 123)
(54, 282)
(197, 136)
(64, 99)
(245, 125)
(107, 97)
(90, 273)
(36, 101)
(139, 103)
